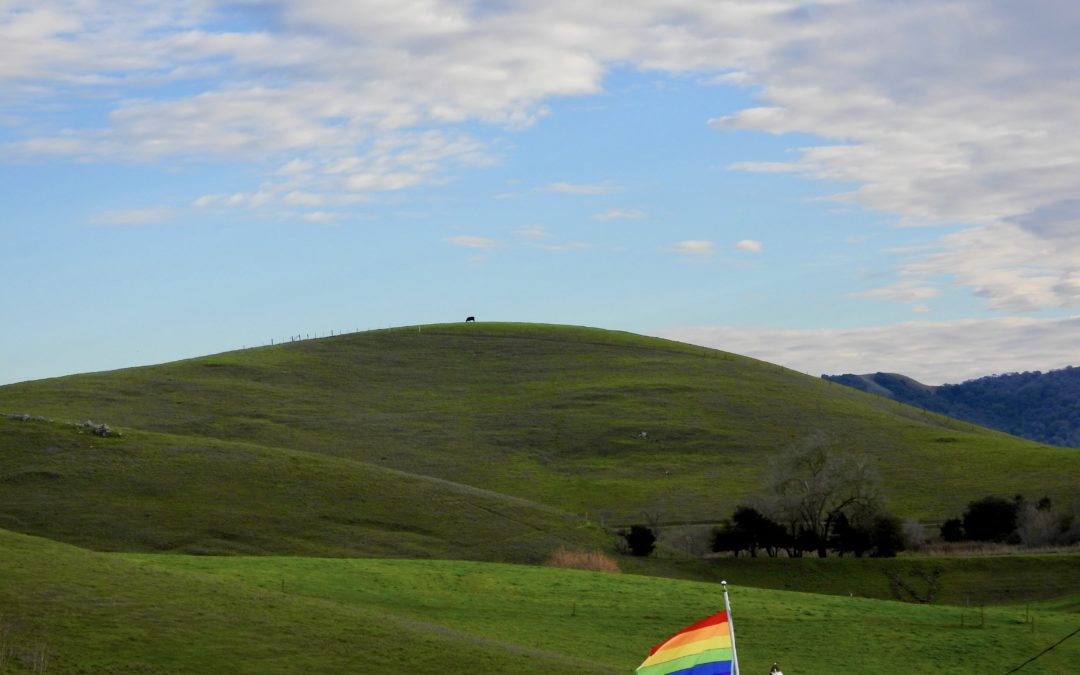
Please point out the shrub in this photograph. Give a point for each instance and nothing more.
(887, 536)
(991, 519)
(952, 530)
(1070, 526)
(747, 530)
(1037, 527)
(640, 539)
(592, 561)
(727, 538)
(856, 538)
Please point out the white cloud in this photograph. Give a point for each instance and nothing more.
(931, 352)
(759, 167)
(248, 199)
(960, 112)
(469, 241)
(379, 180)
(620, 214)
(693, 247)
(298, 198)
(532, 232)
(751, 245)
(939, 111)
(568, 246)
(737, 77)
(907, 291)
(394, 161)
(537, 236)
(321, 217)
(1012, 268)
(603, 188)
(295, 166)
(132, 216)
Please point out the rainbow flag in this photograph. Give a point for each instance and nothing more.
(701, 649)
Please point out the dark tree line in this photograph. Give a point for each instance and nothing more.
(750, 531)
(818, 498)
(1013, 521)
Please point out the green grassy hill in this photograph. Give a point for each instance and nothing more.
(75, 611)
(466, 440)
(148, 491)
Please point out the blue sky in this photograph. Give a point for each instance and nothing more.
(837, 186)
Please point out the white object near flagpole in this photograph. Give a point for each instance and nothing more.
(731, 631)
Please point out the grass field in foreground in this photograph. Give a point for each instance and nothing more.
(614, 619)
(95, 612)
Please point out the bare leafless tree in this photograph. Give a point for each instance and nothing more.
(812, 482)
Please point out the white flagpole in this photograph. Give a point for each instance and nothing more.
(731, 631)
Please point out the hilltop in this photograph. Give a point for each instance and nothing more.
(482, 441)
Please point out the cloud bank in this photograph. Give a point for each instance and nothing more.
(931, 352)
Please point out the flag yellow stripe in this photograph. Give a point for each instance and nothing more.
(670, 652)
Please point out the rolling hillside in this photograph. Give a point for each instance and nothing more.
(148, 491)
(483, 441)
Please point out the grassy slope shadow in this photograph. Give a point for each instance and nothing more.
(159, 492)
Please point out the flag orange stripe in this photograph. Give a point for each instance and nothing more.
(687, 648)
(680, 639)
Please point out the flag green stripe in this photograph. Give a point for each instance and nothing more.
(707, 656)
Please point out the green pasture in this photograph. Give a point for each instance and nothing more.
(135, 613)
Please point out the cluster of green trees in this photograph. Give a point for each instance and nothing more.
(750, 531)
(1014, 521)
(1035, 405)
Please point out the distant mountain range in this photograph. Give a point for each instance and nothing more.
(1039, 406)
